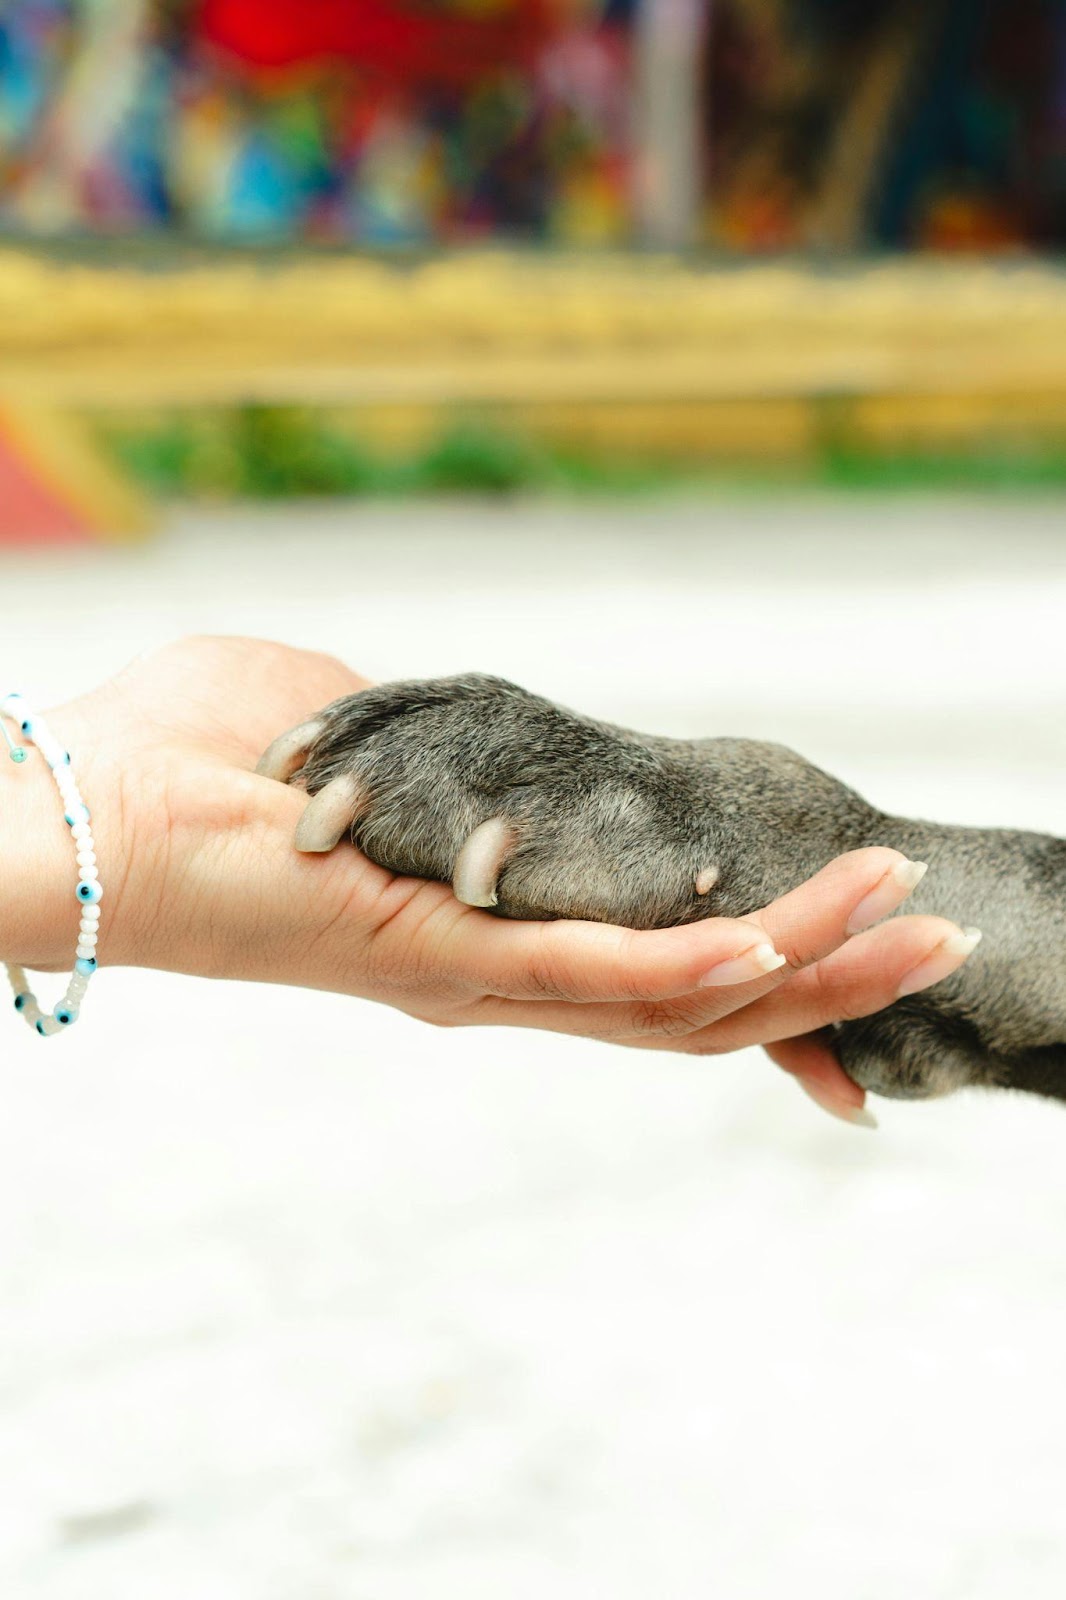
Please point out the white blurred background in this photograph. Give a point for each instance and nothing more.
(303, 1300)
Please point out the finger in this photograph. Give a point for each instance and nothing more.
(719, 964)
(844, 898)
(855, 981)
(811, 1060)
(591, 962)
(873, 970)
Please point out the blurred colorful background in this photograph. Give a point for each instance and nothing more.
(429, 122)
(352, 246)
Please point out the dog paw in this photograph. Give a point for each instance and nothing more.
(524, 807)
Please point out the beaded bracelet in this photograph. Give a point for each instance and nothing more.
(89, 892)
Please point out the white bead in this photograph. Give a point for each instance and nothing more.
(54, 753)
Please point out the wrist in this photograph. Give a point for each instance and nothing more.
(39, 914)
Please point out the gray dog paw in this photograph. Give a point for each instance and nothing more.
(523, 807)
(537, 812)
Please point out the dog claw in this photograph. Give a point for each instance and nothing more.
(478, 864)
(288, 753)
(329, 816)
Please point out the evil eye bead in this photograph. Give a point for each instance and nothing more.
(89, 890)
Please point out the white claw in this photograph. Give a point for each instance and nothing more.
(288, 753)
(706, 880)
(479, 861)
(330, 815)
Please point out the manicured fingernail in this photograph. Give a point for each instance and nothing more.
(858, 1116)
(754, 963)
(948, 956)
(887, 894)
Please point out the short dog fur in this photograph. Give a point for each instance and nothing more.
(538, 812)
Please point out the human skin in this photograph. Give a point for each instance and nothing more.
(196, 856)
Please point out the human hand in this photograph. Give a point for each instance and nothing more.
(201, 877)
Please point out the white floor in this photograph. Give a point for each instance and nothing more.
(342, 1308)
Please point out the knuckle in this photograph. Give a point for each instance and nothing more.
(660, 1019)
(543, 979)
(800, 953)
(835, 1001)
(549, 969)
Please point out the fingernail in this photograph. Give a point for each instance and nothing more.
(887, 894)
(754, 963)
(948, 956)
(858, 1116)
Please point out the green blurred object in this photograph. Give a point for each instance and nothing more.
(266, 452)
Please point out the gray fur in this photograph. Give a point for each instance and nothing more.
(615, 826)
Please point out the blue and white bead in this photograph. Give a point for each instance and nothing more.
(90, 890)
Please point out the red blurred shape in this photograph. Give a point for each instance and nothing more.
(402, 40)
(31, 511)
